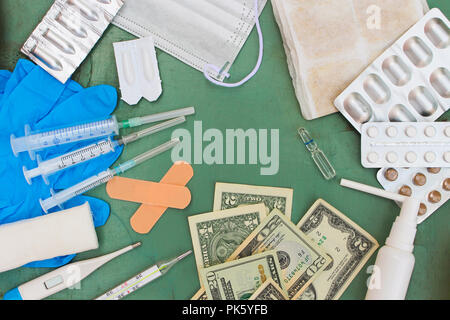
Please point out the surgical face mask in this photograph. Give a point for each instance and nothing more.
(205, 34)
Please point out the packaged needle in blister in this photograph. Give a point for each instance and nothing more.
(67, 34)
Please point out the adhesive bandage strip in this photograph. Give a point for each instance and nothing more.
(148, 192)
(147, 216)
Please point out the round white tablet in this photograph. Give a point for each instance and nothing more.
(411, 157)
(372, 132)
(447, 131)
(430, 131)
(391, 157)
(372, 157)
(391, 132)
(447, 157)
(430, 157)
(411, 131)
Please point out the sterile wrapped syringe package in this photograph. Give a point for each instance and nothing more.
(409, 82)
(328, 43)
(67, 34)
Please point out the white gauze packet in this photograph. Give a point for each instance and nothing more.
(328, 43)
(56, 234)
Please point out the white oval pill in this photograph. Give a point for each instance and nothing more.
(430, 131)
(411, 131)
(447, 157)
(391, 132)
(372, 157)
(391, 157)
(411, 157)
(447, 131)
(430, 157)
(372, 132)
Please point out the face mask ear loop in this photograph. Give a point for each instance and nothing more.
(211, 67)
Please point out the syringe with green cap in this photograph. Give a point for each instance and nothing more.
(92, 151)
(318, 156)
(57, 199)
(32, 142)
(142, 278)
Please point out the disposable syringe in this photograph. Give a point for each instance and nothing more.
(141, 279)
(57, 199)
(32, 142)
(48, 167)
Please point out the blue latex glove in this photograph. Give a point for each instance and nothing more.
(31, 96)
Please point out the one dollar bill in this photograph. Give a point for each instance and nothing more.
(216, 235)
(239, 279)
(269, 291)
(301, 260)
(230, 195)
(347, 243)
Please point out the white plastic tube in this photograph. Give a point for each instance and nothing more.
(395, 261)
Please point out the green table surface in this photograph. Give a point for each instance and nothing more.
(266, 102)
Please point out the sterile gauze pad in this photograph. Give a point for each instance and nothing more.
(56, 234)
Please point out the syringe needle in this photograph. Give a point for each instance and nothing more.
(32, 142)
(184, 255)
(138, 121)
(151, 130)
(95, 150)
(57, 199)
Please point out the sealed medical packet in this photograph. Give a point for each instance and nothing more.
(409, 82)
(328, 43)
(138, 71)
(67, 34)
(405, 144)
(430, 185)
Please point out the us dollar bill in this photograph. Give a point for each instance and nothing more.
(200, 295)
(239, 279)
(216, 235)
(269, 291)
(348, 245)
(301, 260)
(230, 195)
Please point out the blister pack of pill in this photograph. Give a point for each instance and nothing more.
(430, 185)
(409, 82)
(67, 34)
(405, 144)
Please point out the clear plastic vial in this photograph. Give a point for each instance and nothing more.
(318, 156)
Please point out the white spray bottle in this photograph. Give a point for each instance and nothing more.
(395, 261)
